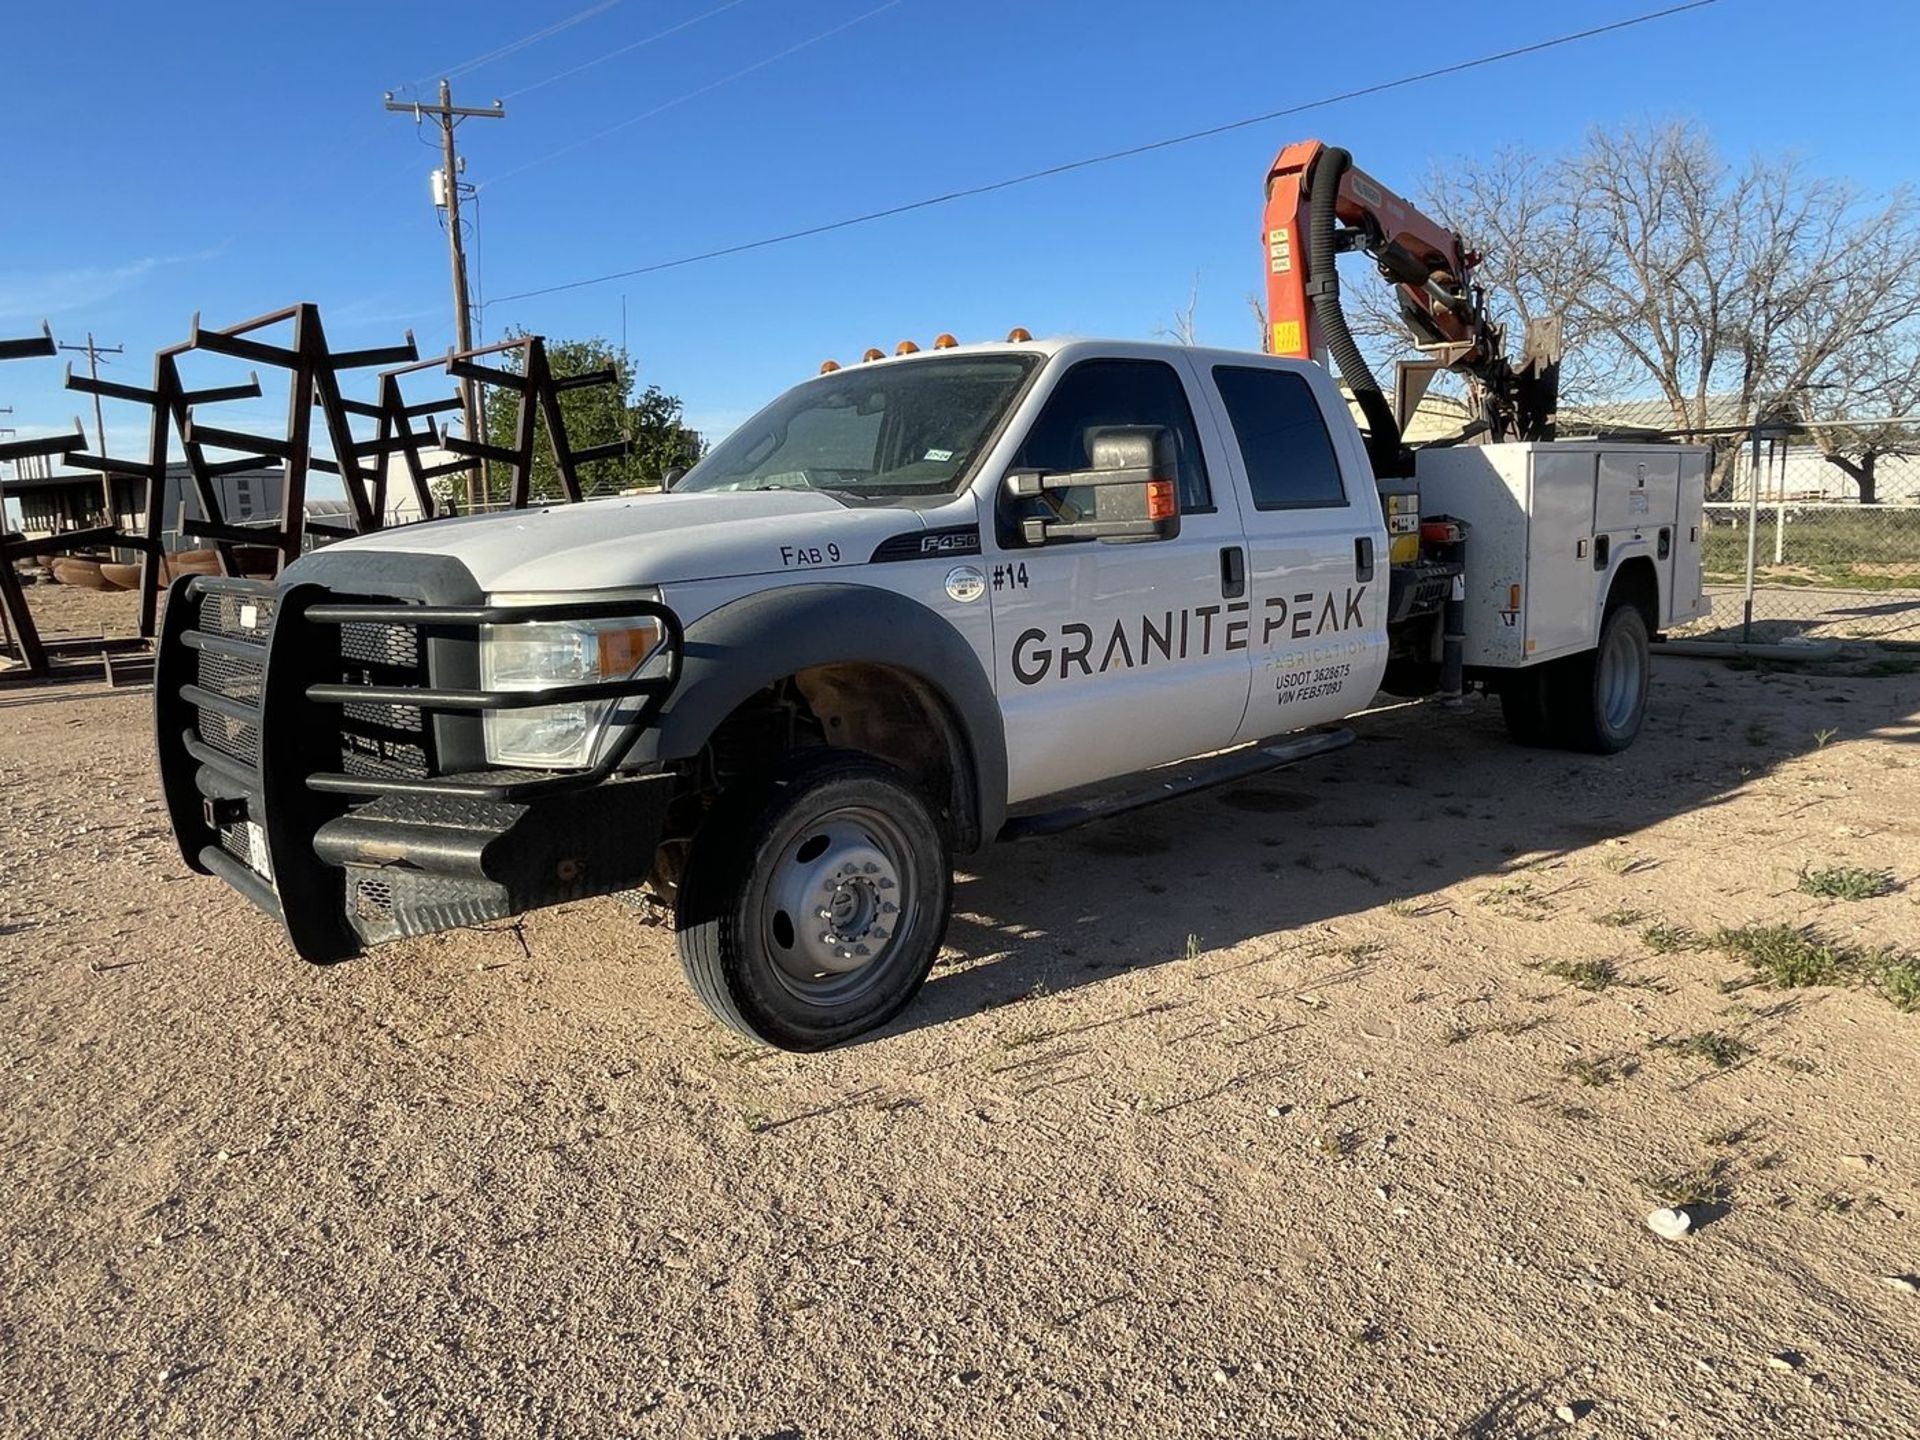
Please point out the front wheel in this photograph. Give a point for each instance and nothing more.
(814, 902)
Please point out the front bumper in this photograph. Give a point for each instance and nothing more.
(320, 752)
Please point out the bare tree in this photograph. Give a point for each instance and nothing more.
(1726, 291)
(1835, 289)
(1181, 331)
(1533, 261)
(1660, 225)
(1876, 381)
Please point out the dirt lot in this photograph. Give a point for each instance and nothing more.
(68, 611)
(1279, 1110)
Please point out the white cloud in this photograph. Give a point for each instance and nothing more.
(58, 292)
(370, 312)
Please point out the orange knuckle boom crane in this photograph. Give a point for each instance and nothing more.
(1319, 205)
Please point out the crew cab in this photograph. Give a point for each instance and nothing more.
(915, 605)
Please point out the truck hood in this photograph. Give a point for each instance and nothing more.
(634, 540)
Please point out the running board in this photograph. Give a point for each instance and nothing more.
(1181, 780)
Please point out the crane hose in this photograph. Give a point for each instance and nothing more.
(1383, 430)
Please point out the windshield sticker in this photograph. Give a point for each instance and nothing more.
(938, 455)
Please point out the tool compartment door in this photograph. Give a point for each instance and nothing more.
(1689, 534)
(1559, 609)
(1637, 497)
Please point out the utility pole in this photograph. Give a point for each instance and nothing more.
(93, 353)
(448, 115)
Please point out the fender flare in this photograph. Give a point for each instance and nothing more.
(1625, 552)
(742, 647)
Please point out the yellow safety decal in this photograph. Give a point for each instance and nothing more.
(1286, 337)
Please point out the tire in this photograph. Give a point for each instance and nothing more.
(1597, 701)
(1523, 704)
(789, 885)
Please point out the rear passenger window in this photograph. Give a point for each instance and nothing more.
(1283, 439)
(1096, 394)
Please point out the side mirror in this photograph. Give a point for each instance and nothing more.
(673, 476)
(1135, 495)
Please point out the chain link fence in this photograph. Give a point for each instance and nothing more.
(1812, 528)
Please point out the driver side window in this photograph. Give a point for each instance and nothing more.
(1096, 394)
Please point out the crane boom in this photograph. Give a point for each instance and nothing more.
(1318, 205)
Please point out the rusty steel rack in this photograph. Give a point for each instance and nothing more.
(362, 465)
(538, 390)
(14, 614)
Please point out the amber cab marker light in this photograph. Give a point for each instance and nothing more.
(1018, 335)
(944, 341)
(1160, 500)
(874, 352)
(906, 347)
(827, 367)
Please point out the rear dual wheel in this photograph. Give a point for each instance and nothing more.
(814, 901)
(1595, 701)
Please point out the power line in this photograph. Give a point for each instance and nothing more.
(501, 52)
(711, 85)
(1108, 157)
(615, 54)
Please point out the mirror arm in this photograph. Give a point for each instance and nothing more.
(1027, 483)
(1038, 532)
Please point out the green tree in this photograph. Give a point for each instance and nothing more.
(595, 415)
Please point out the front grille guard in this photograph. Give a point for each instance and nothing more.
(232, 781)
(504, 786)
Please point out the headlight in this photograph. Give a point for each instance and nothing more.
(566, 652)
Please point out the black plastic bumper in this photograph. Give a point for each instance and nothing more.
(311, 757)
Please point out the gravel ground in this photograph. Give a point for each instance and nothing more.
(1264, 1111)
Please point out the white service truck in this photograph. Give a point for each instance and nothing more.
(913, 606)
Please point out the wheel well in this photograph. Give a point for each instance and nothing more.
(1636, 583)
(876, 709)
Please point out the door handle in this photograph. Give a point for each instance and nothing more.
(1363, 558)
(1233, 572)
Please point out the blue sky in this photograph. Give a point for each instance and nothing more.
(275, 175)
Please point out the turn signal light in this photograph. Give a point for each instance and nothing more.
(944, 341)
(1018, 335)
(827, 367)
(1160, 504)
(906, 347)
(874, 352)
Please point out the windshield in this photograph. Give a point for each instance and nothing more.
(875, 432)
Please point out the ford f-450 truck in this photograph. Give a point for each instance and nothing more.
(913, 606)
